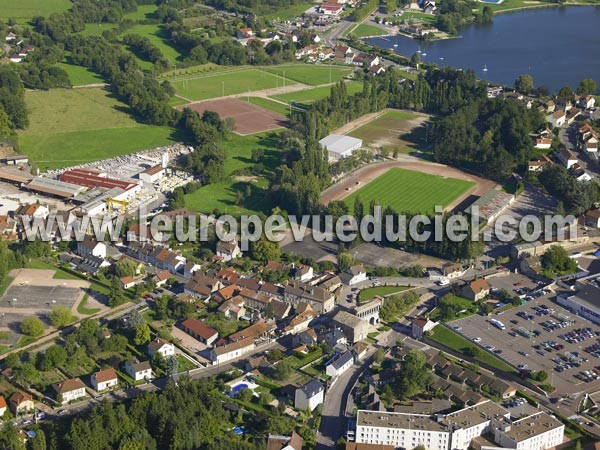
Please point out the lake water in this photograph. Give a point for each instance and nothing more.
(556, 46)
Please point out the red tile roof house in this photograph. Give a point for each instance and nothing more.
(3, 406)
(161, 278)
(200, 331)
(476, 289)
(104, 379)
(21, 402)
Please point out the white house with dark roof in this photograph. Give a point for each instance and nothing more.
(138, 370)
(339, 364)
(228, 250)
(163, 348)
(309, 396)
(354, 275)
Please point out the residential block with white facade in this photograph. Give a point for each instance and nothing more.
(455, 431)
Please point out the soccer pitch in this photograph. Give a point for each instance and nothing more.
(410, 191)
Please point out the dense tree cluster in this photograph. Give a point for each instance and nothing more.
(145, 49)
(490, 136)
(556, 261)
(452, 14)
(577, 197)
(187, 416)
(13, 112)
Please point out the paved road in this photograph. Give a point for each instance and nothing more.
(336, 407)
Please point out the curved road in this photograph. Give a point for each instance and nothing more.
(336, 408)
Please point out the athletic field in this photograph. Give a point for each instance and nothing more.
(311, 74)
(226, 83)
(410, 191)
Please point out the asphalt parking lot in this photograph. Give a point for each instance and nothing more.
(39, 297)
(521, 343)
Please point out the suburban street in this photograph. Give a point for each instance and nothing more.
(337, 408)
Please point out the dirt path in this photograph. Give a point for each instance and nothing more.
(366, 174)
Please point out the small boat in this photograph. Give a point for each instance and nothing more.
(424, 54)
(395, 45)
(485, 67)
(442, 58)
(419, 51)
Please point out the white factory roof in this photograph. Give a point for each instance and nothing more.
(339, 143)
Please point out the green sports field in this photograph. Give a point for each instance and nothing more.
(269, 104)
(312, 95)
(311, 74)
(23, 10)
(70, 126)
(227, 83)
(409, 191)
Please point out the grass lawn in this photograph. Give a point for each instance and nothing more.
(83, 309)
(143, 12)
(157, 36)
(311, 74)
(370, 293)
(311, 95)
(225, 327)
(418, 16)
(5, 284)
(80, 76)
(71, 126)
(409, 191)
(227, 83)
(449, 338)
(270, 104)
(288, 13)
(221, 196)
(96, 29)
(23, 10)
(364, 30)
(394, 128)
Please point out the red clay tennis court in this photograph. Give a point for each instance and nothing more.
(249, 118)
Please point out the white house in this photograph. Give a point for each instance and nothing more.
(104, 379)
(420, 325)
(567, 158)
(303, 273)
(153, 174)
(339, 146)
(32, 211)
(354, 275)
(69, 390)
(228, 250)
(161, 347)
(557, 119)
(339, 364)
(91, 247)
(587, 101)
(543, 143)
(309, 396)
(224, 353)
(138, 370)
